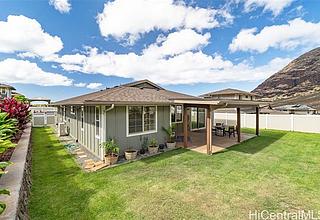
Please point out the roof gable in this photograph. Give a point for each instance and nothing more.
(228, 91)
(143, 84)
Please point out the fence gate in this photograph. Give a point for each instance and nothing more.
(43, 116)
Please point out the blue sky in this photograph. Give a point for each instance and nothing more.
(63, 48)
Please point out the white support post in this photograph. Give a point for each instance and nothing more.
(292, 125)
(103, 130)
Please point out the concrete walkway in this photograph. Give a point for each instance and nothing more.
(198, 141)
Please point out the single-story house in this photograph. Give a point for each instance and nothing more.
(130, 112)
(297, 109)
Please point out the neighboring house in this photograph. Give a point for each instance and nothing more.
(6, 91)
(230, 94)
(297, 109)
(130, 112)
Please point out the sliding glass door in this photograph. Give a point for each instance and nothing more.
(198, 118)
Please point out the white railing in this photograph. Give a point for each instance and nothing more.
(43, 116)
(303, 123)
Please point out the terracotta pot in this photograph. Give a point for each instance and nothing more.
(171, 145)
(109, 160)
(153, 150)
(130, 154)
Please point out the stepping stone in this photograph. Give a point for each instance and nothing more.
(99, 163)
(88, 167)
(99, 167)
(80, 152)
(82, 156)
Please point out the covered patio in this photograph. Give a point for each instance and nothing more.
(204, 140)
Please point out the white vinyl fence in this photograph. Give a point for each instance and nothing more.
(303, 123)
(43, 116)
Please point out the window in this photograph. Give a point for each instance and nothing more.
(3, 91)
(198, 118)
(142, 119)
(72, 110)
(176, 113)
(149, 117)
(135, 119)
(97, 121)
(64, 113)
(82, 117)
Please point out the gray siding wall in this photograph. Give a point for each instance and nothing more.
(116, 128)
(115, 121)
(86, 136)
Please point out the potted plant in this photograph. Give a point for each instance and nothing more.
(153, 147)
(130, 154)
(111, 151)
(144, 145)
(171, 136)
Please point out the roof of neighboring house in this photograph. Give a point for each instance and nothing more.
(228, 91)
(295, 107)
(142, 91)
(2, 85)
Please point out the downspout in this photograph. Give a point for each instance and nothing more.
(110, 108)
(104, 127)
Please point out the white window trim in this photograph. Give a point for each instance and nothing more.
(182, 109)
(144, 132)
(95, 121)
(205, 121)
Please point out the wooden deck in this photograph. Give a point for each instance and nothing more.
(197, 141)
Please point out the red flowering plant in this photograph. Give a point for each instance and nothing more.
(18, 110)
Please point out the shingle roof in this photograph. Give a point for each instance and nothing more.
(295, 107)
(127, 94)
(2, 85)
(228, 92)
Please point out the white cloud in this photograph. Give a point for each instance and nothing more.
(94, 85)
(63, 6)
(22, 34)
(275, 6)
(23, 71)
(177, 43)
(127, 19)
(80, 85)
(185, 68)
(287, 36)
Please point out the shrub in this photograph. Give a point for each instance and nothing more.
(7, 130)
(111, 147)
(18, 110)
(153, 142)
(170, 133)
(21, 98)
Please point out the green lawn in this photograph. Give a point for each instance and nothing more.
(277, 171)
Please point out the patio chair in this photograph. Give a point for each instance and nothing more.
(231, 131)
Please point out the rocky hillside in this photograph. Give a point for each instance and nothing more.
(301, 77)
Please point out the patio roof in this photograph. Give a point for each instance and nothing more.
(221, 103)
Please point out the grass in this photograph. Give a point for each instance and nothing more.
(279, 171)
